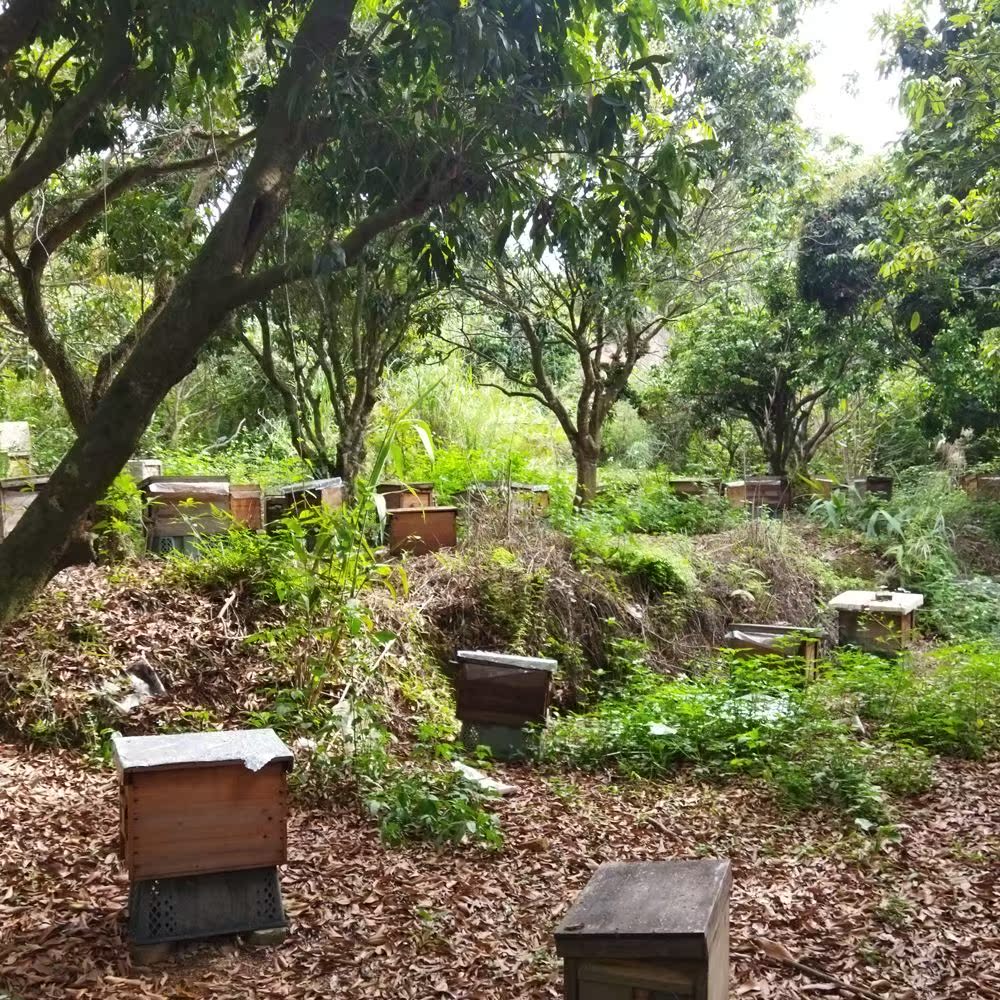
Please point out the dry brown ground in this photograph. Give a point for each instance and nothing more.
(916, 920)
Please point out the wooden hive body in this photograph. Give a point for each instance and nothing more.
(775, 640)
(736, 492)
(422, 529)
(181, 506)
(187, 810)
(649, 929)
(313, 493)
(16, 496)
(875, 622)
(773, 492)
(688, 486)
(406, 496)
(880, 486)
(495, 689)
(247, 502)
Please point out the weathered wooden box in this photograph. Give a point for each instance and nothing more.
(772, 492)
(141, 469)
(736, 492)
(879, 486)
(982, 487)
(655, 930)
(879, 622)
(16, 496)
(184, 507)
(422, 529)
(776, 640)
(694, 486)
(247, 504)
(313, 493)
(197, 803)
(498, 696)
(405, 496)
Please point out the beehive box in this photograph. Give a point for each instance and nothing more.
(822, 487)
(198, 803)
(693, 486)
(772, 492)
(16, 496)
(405, 496)
(880, 486)
(141, 469)
(247, 504)
(656, 930)
(498, 696)
(184, 507)
(736, 492)
(776, 640)
(422, 529)
(313, 493)
(982, 487)
(879, 622)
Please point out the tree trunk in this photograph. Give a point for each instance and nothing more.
(169, 346)
(586, 474)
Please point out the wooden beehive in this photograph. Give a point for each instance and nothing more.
(982, 487)
(822, 487)
(879, 486)
(879, 622)
(657, 930)
(772, 492)
(184, 507)
(694, 486)
(503, 690)
(313, 493)
(404, 496)
(775, 640)
(141, 469)
(422, 529)
(247, 503)
(197, 803)
(736, 492)
(16, 496)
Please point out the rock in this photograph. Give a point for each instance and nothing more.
(483, 781)
(267, 938)
(150, 954)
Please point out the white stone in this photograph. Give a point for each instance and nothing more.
(483, 781)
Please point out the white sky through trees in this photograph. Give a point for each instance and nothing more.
(864, 109)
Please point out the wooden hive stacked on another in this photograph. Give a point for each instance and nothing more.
(16, 496)
(655, 930)
(181, 508)
(197, 809)
(498, 696)
(406, 496)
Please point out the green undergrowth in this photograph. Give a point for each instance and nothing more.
(860, 735)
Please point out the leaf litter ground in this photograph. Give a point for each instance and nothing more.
(918, 919)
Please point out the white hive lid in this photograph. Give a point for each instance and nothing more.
(507, 660)
(888, 602)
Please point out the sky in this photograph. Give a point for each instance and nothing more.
(840, 31)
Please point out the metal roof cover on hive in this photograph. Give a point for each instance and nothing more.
(253, 748)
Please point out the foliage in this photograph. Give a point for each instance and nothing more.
(119, 525)
(756, 716)
(652, 507)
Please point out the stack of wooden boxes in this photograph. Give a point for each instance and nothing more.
(203, 829)
(414, 523)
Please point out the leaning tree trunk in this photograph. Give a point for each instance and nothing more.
(169, 346)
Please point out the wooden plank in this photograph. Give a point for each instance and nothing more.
(199, 863)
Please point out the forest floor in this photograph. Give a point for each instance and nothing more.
(918, 919)
(905, 921)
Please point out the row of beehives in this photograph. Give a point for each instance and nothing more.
(203, 831)
(775, 492)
